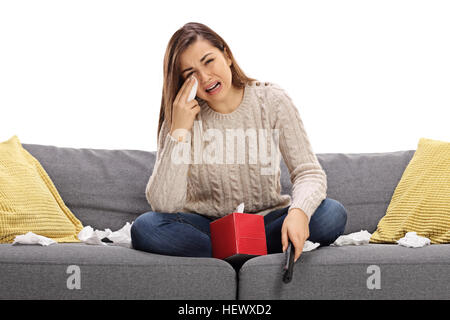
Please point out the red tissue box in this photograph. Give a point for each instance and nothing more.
(237, 235)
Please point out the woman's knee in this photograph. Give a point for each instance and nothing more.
(329, 222)
(337, 213)
(166, 233)
(145, 227)
(144, 222)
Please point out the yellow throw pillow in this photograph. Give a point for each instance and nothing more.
(421, 200)
(29, 200)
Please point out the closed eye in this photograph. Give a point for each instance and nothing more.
(205, 64)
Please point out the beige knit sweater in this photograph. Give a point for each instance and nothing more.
(209, 175)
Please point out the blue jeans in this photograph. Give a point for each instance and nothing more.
(188, 235)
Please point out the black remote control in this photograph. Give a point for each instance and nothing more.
(288, 266)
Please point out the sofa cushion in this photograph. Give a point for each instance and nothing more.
(350, 272)
(109, 272)
(29, 201)
(421, 200)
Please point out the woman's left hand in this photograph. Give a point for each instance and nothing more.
(295, 228)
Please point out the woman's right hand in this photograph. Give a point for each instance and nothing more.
(183, 112)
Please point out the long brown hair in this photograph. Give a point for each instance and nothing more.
(172, 81)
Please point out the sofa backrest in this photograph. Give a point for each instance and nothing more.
(106, 188)
(364, 183)
(103, 188)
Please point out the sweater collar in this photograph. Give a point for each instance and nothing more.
(210, 112)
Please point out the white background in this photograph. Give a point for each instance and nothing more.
(366, 76)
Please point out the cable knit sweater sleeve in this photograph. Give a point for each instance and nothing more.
(309, 181)
(166, 188)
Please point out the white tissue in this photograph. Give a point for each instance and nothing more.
(308, 246)
(121, 237)
(32, 238)
(356, 238)
(412, 240)
(240, 208)
(193, 92)
(89, 236)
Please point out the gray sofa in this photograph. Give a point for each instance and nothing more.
(105, 189)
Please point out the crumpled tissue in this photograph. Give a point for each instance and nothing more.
(412, 240)
(356, 238)
(307, 246)
(32, 238)
(121, 237)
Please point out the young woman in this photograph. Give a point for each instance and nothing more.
(186, 196)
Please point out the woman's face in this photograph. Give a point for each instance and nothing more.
(209, 65)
